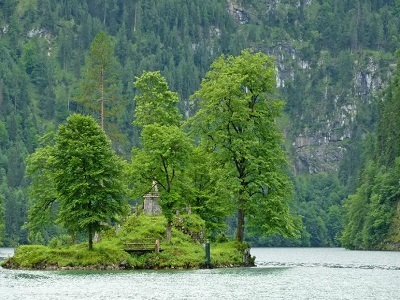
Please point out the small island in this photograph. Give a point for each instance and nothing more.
(223, 165)
(185, 251)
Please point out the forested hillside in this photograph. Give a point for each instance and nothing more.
(334, 60)
(372, 214)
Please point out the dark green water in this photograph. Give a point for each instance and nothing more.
(282, 273)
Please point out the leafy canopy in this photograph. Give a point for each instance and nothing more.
(165, 147)
(82, 174)
(155, 103)
(236, 122)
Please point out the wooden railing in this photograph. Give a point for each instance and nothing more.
(142, 245)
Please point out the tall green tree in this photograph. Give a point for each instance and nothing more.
(236, 119)
(86, 174)
(100, 92)
(155, 103)
(165, 147)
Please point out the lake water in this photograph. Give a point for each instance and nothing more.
(281, 273)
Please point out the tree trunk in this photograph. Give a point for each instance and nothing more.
(169, 231)
(135, 18)
(240, 225)
(90, 232)
(102, 97)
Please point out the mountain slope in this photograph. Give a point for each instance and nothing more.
(333, 59)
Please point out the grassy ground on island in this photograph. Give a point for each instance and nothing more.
(184, 251)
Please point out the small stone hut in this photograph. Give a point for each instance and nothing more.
(151, 205)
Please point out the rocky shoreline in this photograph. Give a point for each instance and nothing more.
(122, 267)
(112, 253)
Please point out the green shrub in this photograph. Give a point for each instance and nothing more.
(57, 242)
(182, 252)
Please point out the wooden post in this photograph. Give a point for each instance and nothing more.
(157, 246)
(208, 255)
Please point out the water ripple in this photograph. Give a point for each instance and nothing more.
(326, 265)
(300, 274)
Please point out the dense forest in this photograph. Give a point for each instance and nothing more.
(337, 73)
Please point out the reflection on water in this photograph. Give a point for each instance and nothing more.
(281, 274)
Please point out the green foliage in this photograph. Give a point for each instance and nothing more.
(370, 213)
(165, 147)
(142, 226)
(62, 241)
(334, 224)
(39, 256)
(155, 103)
(87, 177)
(182, 252)
(236, 121)
(28, 256)
(394, 231)
(318, 200)
(206, 198)
(331, 56)
(161, 161)
(42, 190)
(82, 174)
(387, 133)
(224, 252)
(100, 91)
(191, 224)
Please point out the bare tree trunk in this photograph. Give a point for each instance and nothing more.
(90, 232)
(240, 225)
(135, 18)
(102, 97)
(104, 12)
(169, 231)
